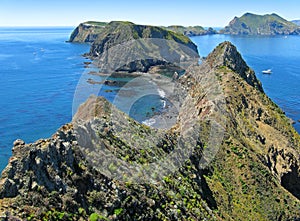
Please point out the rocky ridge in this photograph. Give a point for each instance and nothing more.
(254, 175)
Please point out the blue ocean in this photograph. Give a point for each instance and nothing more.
(40, 72)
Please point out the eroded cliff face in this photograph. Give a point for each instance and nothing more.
(254, 174)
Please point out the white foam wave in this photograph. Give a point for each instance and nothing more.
(164, 103)
(161, 93)
(149, 122)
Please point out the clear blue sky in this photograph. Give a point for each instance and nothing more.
(216, 13)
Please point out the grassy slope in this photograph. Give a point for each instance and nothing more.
(143, 31)
(244, 187)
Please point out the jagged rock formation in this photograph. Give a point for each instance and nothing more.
(233, 60)
(253, 176)
(252, 24)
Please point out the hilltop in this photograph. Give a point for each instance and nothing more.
(252, 24)
(254, 174)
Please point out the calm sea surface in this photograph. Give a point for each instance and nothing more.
(40, 72)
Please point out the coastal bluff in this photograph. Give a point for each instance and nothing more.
(255, 174)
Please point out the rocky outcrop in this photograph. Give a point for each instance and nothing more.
(232, 59)
(252, 24)
(88, 168)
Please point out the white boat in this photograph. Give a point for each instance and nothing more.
(269, 71)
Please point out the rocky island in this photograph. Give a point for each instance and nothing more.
(252, 24)
(254, 174)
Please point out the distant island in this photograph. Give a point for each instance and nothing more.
(252, 24)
